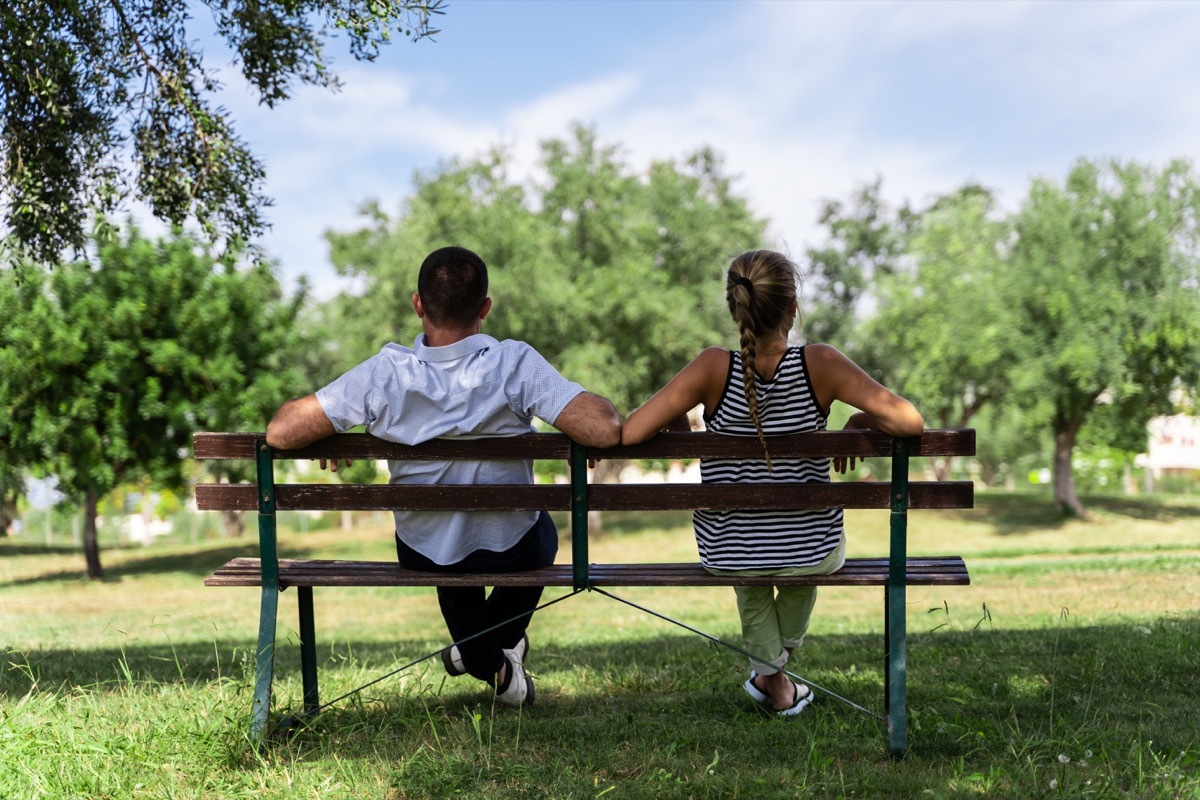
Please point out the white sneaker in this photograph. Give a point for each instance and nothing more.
(520, 686)
(452, 658)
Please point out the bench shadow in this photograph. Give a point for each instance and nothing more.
(198, 563)
(659, 676)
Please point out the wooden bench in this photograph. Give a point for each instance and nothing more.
(273, 574)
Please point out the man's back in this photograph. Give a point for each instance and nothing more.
(475, 387)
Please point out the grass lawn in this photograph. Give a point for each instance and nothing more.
(1067, 669)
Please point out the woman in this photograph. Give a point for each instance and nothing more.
(768, 388)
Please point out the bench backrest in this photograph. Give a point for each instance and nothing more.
(579, 496)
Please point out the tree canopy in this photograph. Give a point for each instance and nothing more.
(103, 101)
(106, 371)
(1103, 279)
(941, 333)
(615, 275)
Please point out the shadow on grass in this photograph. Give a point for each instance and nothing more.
(195, 563)
(1136, 679)
(1023, 512)
(10, 548)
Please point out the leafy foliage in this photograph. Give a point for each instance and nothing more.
(942, 335)
(616, 277)
(867, 241)
(105, 372)
(1104, 282)
(88, 85)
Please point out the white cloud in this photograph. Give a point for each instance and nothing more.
(805, 101)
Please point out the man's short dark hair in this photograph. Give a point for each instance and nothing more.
(453, 285)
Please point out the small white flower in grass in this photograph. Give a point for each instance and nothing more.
(1054, 783)
(1143, 629)
(1063, 758)
(1087, 753)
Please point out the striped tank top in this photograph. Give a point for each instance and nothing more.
(752, 539)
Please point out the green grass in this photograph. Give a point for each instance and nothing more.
(1067, 669)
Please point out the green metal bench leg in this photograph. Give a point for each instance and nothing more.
(264, 671)
(308, 650)
(895, 689)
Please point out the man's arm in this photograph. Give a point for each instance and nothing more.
(590, 420)
(298, 423)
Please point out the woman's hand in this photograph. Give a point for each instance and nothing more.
(859, 421)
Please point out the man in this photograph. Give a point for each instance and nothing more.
(458, 382)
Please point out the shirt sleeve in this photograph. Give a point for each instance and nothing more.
(538, 389)
(348, 400)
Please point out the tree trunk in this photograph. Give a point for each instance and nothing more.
(605, 471)
(941, 468)
(1065, 497)
(233, 524)
(91, 548)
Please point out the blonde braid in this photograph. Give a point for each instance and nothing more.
(749, 352)
(760, 289)
(740, 294)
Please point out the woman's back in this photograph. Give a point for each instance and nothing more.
(747, 539)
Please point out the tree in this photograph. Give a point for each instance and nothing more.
(942, 333)
(87, 86)
(1104, 281)
(616, 276)
(113, 367)
(867, 241)
(26, 311)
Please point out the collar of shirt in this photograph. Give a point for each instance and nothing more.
(452, 352)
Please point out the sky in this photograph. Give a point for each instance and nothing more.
(805, 101)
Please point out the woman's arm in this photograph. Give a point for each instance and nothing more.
(836, 377)
(699, 383)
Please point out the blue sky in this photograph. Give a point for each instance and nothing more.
(804, 100)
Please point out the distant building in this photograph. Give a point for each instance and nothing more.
(1174, 446)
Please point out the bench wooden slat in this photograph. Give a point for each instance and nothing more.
(383, 497)
(601, 497)
(935, 570)
(936, 442)
(232, 446)
(877, 494)
(861, 443)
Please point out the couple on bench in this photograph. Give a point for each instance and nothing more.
(456, 381)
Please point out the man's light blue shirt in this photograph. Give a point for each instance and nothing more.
(474, 388)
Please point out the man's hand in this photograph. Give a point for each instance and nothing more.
(333, 464)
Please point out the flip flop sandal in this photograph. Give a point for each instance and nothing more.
(800, 703)
(757, 694)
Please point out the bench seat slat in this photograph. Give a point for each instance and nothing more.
(933, 570)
